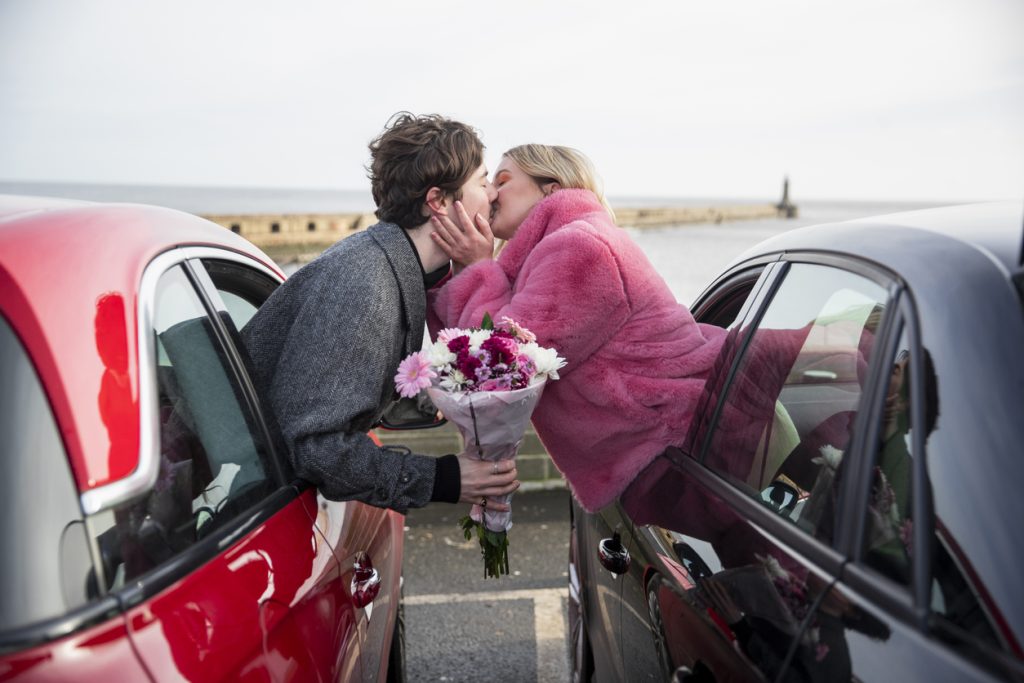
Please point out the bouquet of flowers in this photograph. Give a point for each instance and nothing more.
(486, 381)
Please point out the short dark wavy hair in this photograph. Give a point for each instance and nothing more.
(414, 154)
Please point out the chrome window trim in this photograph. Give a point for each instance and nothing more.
(145, 474)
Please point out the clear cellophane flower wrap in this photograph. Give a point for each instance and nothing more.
(492, 424)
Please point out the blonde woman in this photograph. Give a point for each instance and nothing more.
(637, 360)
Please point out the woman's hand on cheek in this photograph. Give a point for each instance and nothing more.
(465, 240)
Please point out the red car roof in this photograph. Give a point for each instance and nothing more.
(69, 278)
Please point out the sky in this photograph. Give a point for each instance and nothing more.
(866, 100)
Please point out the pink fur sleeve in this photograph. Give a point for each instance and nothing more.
(462, 302)
(569, 293)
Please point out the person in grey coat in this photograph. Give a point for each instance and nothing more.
(326, 345)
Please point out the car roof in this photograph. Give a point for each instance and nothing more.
(995, 229)
(58, 260)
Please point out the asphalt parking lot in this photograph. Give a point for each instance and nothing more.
(463, 627)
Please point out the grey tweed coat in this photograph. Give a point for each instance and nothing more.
(325, 348)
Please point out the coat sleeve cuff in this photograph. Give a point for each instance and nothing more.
(447, 480)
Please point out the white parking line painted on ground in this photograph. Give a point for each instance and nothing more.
(548, 623)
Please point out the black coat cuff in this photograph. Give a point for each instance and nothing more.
(447, 480)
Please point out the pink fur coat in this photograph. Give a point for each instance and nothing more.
(636, 358)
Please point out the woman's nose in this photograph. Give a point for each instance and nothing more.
(492, 192)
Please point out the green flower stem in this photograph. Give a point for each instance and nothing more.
(493, 547)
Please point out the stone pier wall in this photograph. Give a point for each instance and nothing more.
(682, 215)
(276, 230)
(313, 232)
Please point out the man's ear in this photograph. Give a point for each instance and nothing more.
(548, 188)
(437, 201)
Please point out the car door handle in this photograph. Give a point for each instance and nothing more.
(365, 581)
(613, 555)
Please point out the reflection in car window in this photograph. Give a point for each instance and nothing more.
(46, 567)
(765, 601)
(888, 545)
(889, 523)
(788, 414)
(212, 463)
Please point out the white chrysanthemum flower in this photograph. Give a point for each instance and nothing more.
(439, 354)
(831, 457)
(547, 361)
(478, 337)
(775, 570)
(454, 381)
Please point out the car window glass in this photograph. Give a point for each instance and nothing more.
(889, 521)
(788, 413)
(888, 544)
(240, 310)
(242, 289)
(723, 306)
(212, 460)
(46, 569)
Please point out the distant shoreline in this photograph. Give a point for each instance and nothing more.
(297, 237)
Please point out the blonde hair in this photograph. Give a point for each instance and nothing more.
(566, 166)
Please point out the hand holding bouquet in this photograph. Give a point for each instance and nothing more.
(487, 381)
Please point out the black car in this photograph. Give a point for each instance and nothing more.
(847, 504)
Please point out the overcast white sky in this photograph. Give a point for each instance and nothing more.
(865, 99)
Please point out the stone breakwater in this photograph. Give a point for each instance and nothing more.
(653, 217)
(296, 237)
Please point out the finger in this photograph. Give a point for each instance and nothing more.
(443, 226)
(503, 466)
(501, 478)
(484, 227)
(503, 490)
(445, 247)
(439, 238)
(464, 219)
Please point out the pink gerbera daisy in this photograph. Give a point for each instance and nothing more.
(449, 333)
(414, 375)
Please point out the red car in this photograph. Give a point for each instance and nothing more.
(151, 526)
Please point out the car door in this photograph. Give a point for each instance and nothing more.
(600, 568)
(333, 625)
(216, 566)
(738, 575)
(54, 623)
(654, 618)
(351, 533)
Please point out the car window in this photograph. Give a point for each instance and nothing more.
(889, 519)
(242, 289)
(788, 411)
(213, 461)
(722, 305)
(955, 598)
(46, 568)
